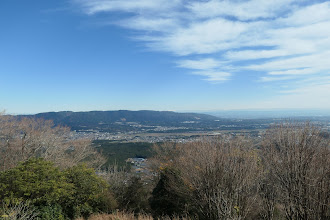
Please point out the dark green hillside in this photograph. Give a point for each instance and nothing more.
(118, 152)
(123, 120)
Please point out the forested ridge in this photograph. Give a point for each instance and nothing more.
(102, 119)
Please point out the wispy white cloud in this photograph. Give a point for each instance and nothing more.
(293, 72)
(272, 78)
(242, 10)
(282, 40)
(142, 23)
(136, 6)
(255, 54)
(213, 76)
(208, 67)
(208, 63)
(205, 37)
(301, 65)
(308, 15)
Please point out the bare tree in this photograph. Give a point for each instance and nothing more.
(221, 173)
(19, 211)
(297, 159)
(21, 139)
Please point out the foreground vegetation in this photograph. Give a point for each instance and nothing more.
(55, 193)
(45, 175)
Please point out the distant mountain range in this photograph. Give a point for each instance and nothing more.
(119, 120)
(165, 121)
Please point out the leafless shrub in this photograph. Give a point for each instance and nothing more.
(222, 175)
(21, 139)
(297, 160)
(20, 211)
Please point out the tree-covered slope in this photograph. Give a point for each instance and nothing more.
(104, 120)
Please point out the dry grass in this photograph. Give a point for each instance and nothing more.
(120, 216)
(126, 216)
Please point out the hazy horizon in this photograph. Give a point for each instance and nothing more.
(231, 113)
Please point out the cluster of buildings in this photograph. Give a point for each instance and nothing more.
(141, 167)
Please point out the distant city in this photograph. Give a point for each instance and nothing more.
(155, 127)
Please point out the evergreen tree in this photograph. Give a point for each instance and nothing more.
(170, 196)
(135, 196)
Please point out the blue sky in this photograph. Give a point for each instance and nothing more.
(177, 55)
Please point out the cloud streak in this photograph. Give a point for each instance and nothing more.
(96, 6)
(283, 40)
